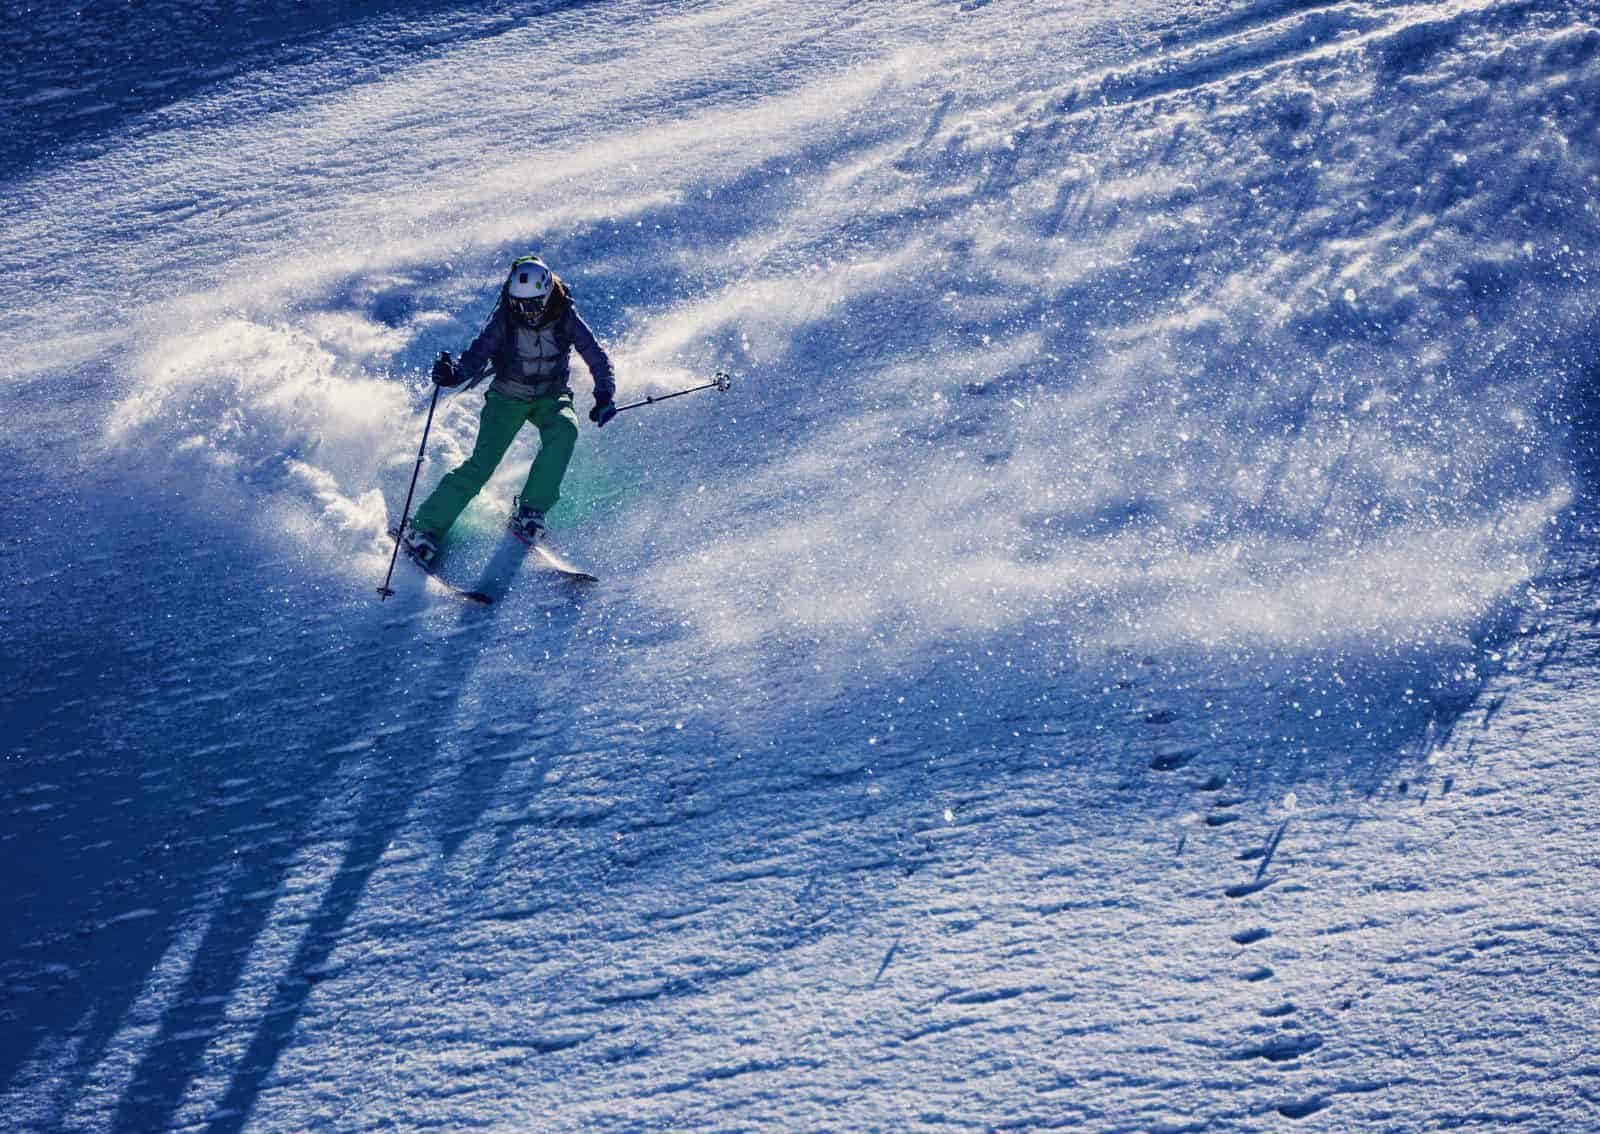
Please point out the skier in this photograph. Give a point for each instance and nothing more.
(528, 340)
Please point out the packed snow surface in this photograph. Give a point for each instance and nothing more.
(1121, 656)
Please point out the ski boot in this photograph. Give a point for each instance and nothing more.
(421, 546)
(526, 523)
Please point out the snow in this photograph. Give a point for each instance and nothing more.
(1120, 656)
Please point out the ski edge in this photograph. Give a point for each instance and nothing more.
(561, 567)
(551, 561)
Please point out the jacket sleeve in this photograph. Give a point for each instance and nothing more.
(475, 360)
(594, 356)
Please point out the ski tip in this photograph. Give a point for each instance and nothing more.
(559, 565)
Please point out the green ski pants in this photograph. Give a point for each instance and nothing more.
(502, 419)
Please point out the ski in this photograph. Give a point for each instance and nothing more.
(560, 566)
(459, 592)
(553, 562)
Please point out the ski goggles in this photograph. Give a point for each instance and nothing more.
(529, 308)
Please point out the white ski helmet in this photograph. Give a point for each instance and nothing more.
(529, 286)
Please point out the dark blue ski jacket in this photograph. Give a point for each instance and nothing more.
(534, 361)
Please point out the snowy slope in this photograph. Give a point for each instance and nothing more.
(1121, 656)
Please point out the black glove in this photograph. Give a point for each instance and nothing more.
(602, 413)
(445, 372)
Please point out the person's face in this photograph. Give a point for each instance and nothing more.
(529, 309)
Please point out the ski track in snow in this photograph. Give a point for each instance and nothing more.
(1122, 656)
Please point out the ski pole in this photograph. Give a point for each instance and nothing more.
(405, 513)
(722, 381)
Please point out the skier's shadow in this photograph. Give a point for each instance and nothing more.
(208, 827)
(385, 809)
(560, 603)
(401, 772)
(379, 819)
(509, 560)
(396, 771)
